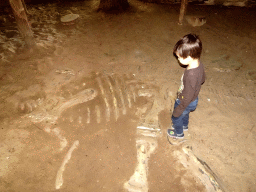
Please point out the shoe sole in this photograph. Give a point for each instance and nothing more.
(176, 137)
(173, 141)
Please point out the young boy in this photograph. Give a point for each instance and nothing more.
(188, 51)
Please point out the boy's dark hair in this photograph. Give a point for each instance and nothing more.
(189, 45)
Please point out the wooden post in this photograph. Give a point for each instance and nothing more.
(22, 22)
(183, 8)
(24, 5)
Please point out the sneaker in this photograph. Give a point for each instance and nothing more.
(172, 133)
(185, 128)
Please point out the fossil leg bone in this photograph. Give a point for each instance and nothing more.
(59, 178)
(63, 141)
(57, 132)
(138, 181)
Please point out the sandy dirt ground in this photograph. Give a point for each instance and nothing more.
(74, 112)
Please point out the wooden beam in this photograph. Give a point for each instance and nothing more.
(22, 22)
(183, 8)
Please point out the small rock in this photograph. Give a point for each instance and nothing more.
(68, 19)
(196, 21)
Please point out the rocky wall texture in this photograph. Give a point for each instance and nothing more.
(239, 3)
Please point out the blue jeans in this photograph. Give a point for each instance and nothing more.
(183, 119)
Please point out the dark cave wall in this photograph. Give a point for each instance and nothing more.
(241, 3)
